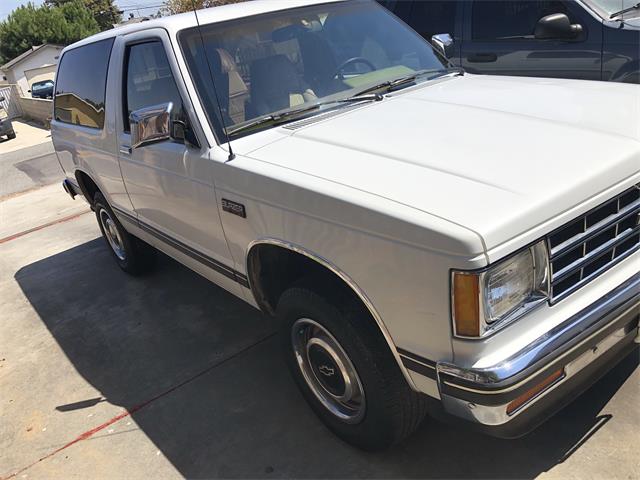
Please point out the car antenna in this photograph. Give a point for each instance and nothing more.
(215, 90)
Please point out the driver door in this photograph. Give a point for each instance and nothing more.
(499, 40)
(170, 182)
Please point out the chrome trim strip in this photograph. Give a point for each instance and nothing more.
(345, 278)
(621, 208)
(212, 263)
(417, 358)
(418, 364)
(555, 299)
(628, 211)
(593, 255)
(122, 213)
(320, 116)
(525, 380)
(542, 350)
(497, 414)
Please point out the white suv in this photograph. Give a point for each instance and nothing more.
(427, 237)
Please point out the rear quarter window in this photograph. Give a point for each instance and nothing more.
(81, 84)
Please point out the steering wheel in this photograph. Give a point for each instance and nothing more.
(353, 61)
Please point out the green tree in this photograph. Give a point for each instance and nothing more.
(105, 12)
(28, 26)
(171, 7)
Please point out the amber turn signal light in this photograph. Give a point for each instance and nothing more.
(534, 391)
(466, 304)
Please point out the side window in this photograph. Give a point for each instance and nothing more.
(81, 84)
(505, 20)
(149, 81)
(388, 4)
(432, 18)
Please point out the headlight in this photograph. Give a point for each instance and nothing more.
(483, 301)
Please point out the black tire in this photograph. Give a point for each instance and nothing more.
(392, 411)
(132, 254)
(11, 135)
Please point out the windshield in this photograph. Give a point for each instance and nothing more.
(612, 6)
(295, 58)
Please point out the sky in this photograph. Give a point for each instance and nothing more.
(137, 7)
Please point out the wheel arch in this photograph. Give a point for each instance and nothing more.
(257, 289)
(88, 186)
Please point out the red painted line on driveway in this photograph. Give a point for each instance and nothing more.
(81, 437)
(126, 413)
(40, 227)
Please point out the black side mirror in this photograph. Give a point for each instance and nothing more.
(1, 99)
(557, 26)
(182, 132)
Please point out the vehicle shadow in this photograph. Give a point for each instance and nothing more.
(223, 403)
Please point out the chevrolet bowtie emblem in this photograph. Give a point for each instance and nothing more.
(326, 371)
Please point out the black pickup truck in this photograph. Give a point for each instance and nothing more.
(43, 89)
(583, 39)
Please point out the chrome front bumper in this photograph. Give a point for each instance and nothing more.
(584, 347)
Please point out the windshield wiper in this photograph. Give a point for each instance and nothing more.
(626, 10)
(289, 115)
(391, 85)
(361, 96)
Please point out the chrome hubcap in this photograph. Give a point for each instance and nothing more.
(111, 234)
(328, 370)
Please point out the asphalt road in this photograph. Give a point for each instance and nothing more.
(103, 375)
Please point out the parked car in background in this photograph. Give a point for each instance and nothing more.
(42, 89)
(6, 127)
(583, 39)
(428, 238)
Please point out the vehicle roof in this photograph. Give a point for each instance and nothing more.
(206, 16)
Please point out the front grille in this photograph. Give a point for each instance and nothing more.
(587, 246)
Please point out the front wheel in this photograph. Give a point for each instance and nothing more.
(11, 135)
(345, 370)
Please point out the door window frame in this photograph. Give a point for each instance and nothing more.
(147, 36)
(457, 33)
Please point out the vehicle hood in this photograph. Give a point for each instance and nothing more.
(497, 155)
(634, 23)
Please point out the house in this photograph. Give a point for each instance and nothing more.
(34, 65)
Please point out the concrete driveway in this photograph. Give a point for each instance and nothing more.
(28, 134)
(28, 160)
(103, 375)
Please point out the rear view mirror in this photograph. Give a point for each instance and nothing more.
(296, 30)
(556, 26)
(1, 99)
(442, 43)
(150, 124)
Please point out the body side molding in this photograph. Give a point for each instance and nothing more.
(187, 250)
(418, 364)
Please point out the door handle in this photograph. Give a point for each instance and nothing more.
(482, 57)
(125, 150)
